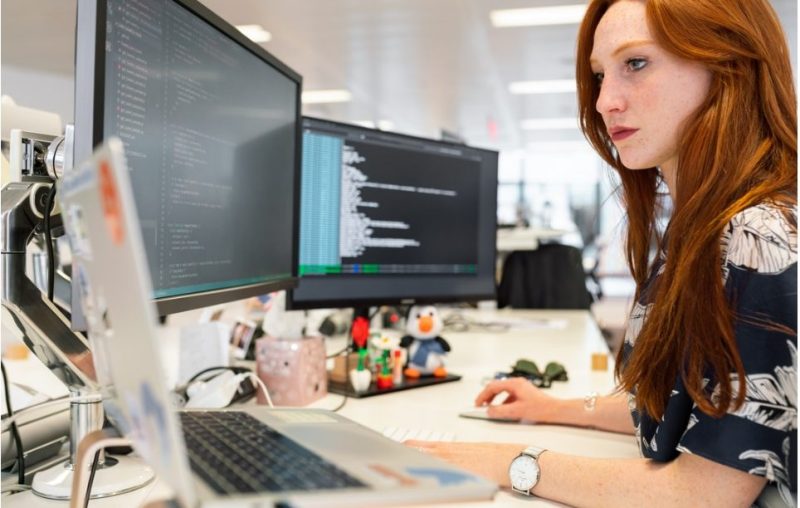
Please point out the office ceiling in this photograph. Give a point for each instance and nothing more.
(423, 65)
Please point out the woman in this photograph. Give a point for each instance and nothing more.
(696, 94)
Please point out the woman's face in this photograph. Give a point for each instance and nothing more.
(646, 94)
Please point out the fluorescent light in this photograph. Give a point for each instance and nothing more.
(384, 125)
(538, 16)
(324, 96)
(541, 124)
(255, 33)
(559, 146)
(539, 87)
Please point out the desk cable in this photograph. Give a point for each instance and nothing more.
(14, 429)
(346, 373)
(51, 258)
(235, 370)
(260, 383)
(344, 351)
(92, 471)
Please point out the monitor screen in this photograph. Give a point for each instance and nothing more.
(388, 218)
(210, 123)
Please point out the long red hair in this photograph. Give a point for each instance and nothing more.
(737, 150)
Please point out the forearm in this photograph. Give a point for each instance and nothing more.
(580, 481)
(583, 481)
(610, 413)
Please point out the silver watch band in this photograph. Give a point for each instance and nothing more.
(534, 451)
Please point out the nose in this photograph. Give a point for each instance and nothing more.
(611, 98)
(425, 324)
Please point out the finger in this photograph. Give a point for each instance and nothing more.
(511, 411)
(489, 392)
(420, 446)
(492, 389)
(413, 443)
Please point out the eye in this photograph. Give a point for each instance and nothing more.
(636, 64)
(598, 76)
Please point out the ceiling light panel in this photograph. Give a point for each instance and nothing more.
(543, 87)
(538, 124)
(255, 33)
(326, 96)
(538, 16)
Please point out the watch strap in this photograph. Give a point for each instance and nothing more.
(534, 451)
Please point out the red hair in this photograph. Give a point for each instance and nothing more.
(737, 150)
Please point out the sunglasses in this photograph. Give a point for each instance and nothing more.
(553, 371)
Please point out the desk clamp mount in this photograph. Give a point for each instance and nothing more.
(44, 327)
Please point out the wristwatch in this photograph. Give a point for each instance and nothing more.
(524, 470)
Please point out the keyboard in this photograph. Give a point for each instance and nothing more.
(234, 453)
(401, 434)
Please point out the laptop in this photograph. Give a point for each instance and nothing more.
(253, 454)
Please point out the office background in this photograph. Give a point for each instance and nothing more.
(436, 69)
(442, 68)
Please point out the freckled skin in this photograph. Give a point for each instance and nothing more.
(644, 87)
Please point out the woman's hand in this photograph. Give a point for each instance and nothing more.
(524, 401)
(489, 460)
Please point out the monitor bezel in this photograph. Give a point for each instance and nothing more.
(306, 304)
(89, 103)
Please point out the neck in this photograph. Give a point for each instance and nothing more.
(669, 174)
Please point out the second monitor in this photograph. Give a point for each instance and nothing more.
(387, 218)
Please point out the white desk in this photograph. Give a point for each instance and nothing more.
(477, 355)
(570, 338)
(525, 238)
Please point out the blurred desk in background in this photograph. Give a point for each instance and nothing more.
(511, 239)
(491, 341)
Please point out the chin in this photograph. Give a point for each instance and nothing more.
(637, 168)
(636, 163)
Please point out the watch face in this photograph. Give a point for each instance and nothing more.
(524, 472)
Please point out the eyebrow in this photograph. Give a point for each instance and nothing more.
(624, 46)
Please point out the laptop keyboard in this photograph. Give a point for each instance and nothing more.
(236, 453)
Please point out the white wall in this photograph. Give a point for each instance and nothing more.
(40, 90)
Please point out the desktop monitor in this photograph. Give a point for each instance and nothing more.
(387, 218)
(211, 127)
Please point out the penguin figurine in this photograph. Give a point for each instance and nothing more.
(425, 347)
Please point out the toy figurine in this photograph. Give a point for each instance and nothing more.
(360, 377)
(383, 346)
(383, 378)
(425, 347)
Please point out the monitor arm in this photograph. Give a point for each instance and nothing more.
(42, 325)
(45, 328)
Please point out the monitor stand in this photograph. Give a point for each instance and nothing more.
(359, 327)
(46, 331)
(113, 476)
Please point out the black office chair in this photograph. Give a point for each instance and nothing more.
(550, 277)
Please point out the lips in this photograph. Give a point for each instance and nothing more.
(619, 133)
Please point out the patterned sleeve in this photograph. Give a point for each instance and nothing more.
(760, 437)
